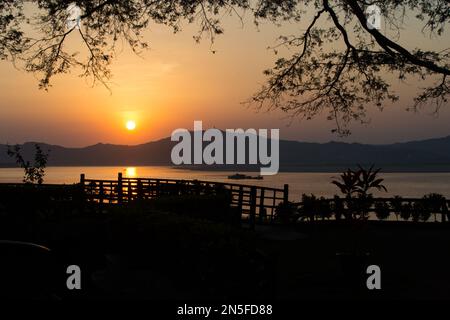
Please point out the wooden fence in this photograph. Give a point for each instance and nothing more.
(254, 202)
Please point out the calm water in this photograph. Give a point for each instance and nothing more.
(404, 184)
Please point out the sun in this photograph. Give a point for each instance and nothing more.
(130, 125)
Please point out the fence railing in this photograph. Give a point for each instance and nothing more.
(254, 202)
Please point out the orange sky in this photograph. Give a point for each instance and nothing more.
(178, 81)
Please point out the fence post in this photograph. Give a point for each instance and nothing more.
(101, 193)
(252, 207)
(130, 191)
(157, 191)
(139, 190)
(119, 188)
(81, 189)
(262, 209)
(240, 199)
(286, 194)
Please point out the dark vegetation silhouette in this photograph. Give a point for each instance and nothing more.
(33, 173)
(355, 185)
(358, 203)
(194, 245)
(337, 64)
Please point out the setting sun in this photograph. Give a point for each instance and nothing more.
(131, 125)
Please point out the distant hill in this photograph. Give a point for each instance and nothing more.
(426, 155)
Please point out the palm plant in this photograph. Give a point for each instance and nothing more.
(355, 185)
(359, 183)
(348, 184)
(368, 179)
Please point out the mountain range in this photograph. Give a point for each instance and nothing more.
(425, 155)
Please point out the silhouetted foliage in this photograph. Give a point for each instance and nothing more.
(360, 206)
(346, 76)
(324, 208)
(359, 182)
(435, 203)
(286, 213)
(382, 210)
(396, 205)
(338, 208)
(418, 212)
(368, 179)
(355, 185)
(341, 78)
(348, 184)
(33, 173)
(406, 211)
(308, 208)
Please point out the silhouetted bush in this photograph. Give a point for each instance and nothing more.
(420, 212)
(396, 205)
(286, 213)
(308, 207)
(382, 210)
(338, 208)
(406, 211)
(360, 206)
(324, 208)
(435, 203)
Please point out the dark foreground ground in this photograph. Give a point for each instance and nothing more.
(331, 261)
(135, 253)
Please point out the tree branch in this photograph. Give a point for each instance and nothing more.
(388, 44)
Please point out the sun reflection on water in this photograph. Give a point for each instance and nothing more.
(130, 172)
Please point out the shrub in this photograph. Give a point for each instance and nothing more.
(382, 210)
(396, 205)
(286, 212)
(359, 207)
(337, 208)
(324, 208)
(308, 208)
(420, 212)
(435, 203)
(406, 211)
